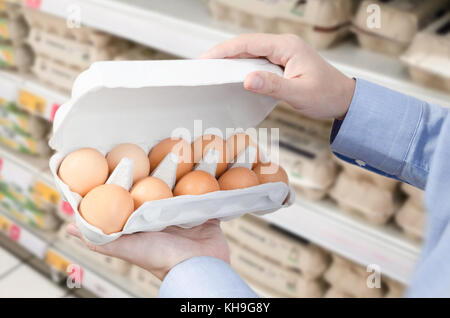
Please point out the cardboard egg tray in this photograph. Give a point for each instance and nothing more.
(283, 281)
(108, 263)
(394, 289)
(411, 219)
(399, 21)
(333, 292)
(271, 243)
(415, 195)
(16, 57)
(214, 92)
(428, 57)
(363, 198)
(145, 281)
(22, 122)
(306, 158)
(320, 23)
(13, 30)
(10, 9)
(350, 279)
(362, 174)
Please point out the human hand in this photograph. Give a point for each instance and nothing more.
(310, 84)
(158, 252)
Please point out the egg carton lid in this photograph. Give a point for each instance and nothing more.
(144, 101)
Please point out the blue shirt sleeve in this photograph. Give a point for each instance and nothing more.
(204, 277)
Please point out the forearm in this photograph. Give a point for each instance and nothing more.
(389, 133)
(204, 277)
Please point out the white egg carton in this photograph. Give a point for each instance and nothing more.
(258, 236)
(364, 198)
(411, 219)
(142, 53)
(350, 278)
(320, 22)
(145, 281)
(270, 275)
(104, 262)
(55, 74)
(428, 57)
(400, 20)
(165, 95)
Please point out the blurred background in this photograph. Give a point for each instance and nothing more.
(346, 223)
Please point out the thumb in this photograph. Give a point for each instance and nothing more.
(269, 84)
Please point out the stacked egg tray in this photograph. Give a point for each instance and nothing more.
(428, 57)
(305, 153)
(350, 280)
(14, 53)
(390, 29)
(22, 131)
(411, 216)
(63, 51)
(320, 23)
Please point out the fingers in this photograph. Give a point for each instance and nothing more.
(277, 48)
(270, 84)
(72, 229)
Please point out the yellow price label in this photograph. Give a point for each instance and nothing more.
(47, 192)
(32, 102)
(4, 224)
(57, 261)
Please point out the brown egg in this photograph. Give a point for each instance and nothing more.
(195, 183)
(107, 207)
(177, 146)
(150, 189)
(83, 170)
(238, 178)
(238, 143)
(141, 164)
(274, 173)
(202, 145)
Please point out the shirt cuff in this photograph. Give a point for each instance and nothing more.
(378, 130)
(204, 277)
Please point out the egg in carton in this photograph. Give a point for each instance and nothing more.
(415, 195)
(18, 120)
(214, 91)
(145, 281)
(306, 158)
(55, 74)
(59, 27)
(399, 21)
(269, 242)
(363, 198)
(351, 279)
(108, 263)
(15, 57)
(411, 219)
(320, 23)
(359, 173)
(428, 57)
(270, 275)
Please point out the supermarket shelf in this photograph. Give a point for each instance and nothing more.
(40, 243)
(186, 29)
(31, 95)
(323, 224)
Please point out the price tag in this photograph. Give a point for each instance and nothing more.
(4, 224)
(35, 4)
(14, 232)
(66, 208)
(47, 192)
(55, 108)
(32, 102)
(57, 261)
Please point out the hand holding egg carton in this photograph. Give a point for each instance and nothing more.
(176, 192)
(428, 57)
(399, 21)
(411, 216)
(320, 22)
(365, 193)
